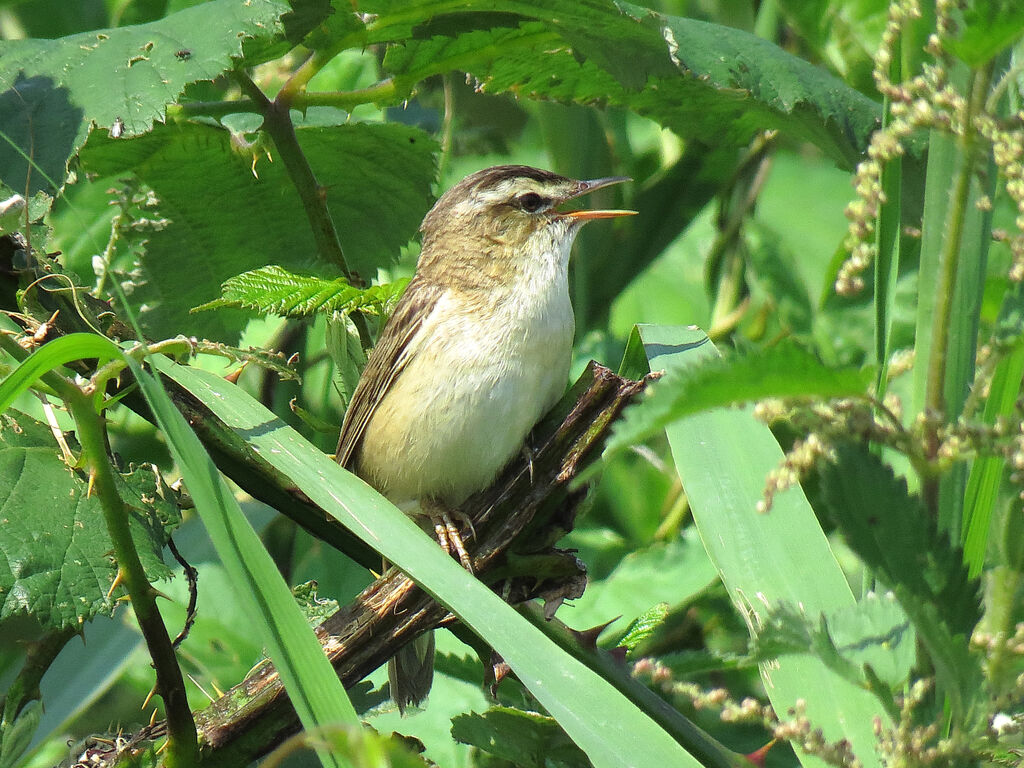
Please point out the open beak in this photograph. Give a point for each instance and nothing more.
(586, 187)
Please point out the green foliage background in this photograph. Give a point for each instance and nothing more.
(253, 173)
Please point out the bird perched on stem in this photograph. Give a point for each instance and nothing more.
(476, 352)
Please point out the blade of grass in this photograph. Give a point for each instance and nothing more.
(598, 718)
(987, 471)
(723, 458)
(312, 685)
(53, 354)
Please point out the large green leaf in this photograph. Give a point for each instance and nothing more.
(765, 560)
(703, 80)
(225, 221)
(598, 718)
(52, 92)
(55, 562)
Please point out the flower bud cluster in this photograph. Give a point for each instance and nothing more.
(912, 744)
(798, 730)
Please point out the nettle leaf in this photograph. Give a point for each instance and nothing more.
(274, 290)
(988, 27)
(55, 555)
(526, 739)
(52, 92)
(703, 80)
(897, 539)
(645, 625)
(875, 632)
(378, 180)
(784, 370)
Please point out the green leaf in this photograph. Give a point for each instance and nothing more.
(783, 370)
(53, 91)
(722, 458)
(704, 81)
(899, 542)
(378, 179)
(16, 737)
(315, 608)
(274, 290)
(347, 353)
(645, 625)
(672, 572)
(526, 739)
(873, 632)
(55, 554)
(596, 716)
(988, 27)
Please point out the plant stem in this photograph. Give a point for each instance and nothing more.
(278, 124)
(182, 743)
(385, 90)
(949, 261)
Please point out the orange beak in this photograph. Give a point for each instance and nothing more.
(587, 187)
(586, 215)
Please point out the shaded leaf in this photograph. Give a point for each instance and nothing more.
(873, 632)
(53, 91)
(526, 739)
(377, 177)
(988, 27)
(893, 534)
(56, 562)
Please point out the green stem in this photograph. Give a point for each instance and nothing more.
(182, 742)
(949, 262)
(384, 91)
(277, 122)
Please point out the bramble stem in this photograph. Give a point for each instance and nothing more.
(182, 741)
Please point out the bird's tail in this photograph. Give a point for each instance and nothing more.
(411, 672)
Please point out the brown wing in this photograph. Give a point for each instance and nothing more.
(387, 359)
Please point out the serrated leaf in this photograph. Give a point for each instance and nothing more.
(526, 739)
(785, 370)
(315, 608)
(378, 179)
(702, 80)
(894, 536)
(645, 625)
(53, 91)
(56, 562)
(274, 290)
(873, 632)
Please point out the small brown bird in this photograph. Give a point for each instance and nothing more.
(476, 352)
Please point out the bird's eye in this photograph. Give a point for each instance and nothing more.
(531, 202)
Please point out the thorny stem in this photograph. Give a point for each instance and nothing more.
(277, 123)
(383, 91)
(182, 741)
(935, 391)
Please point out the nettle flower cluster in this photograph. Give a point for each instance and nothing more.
(925, 102)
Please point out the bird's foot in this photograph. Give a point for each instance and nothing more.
(448, 535)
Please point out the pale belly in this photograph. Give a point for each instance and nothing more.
(446, 442)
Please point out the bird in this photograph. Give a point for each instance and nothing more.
(475, 353)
